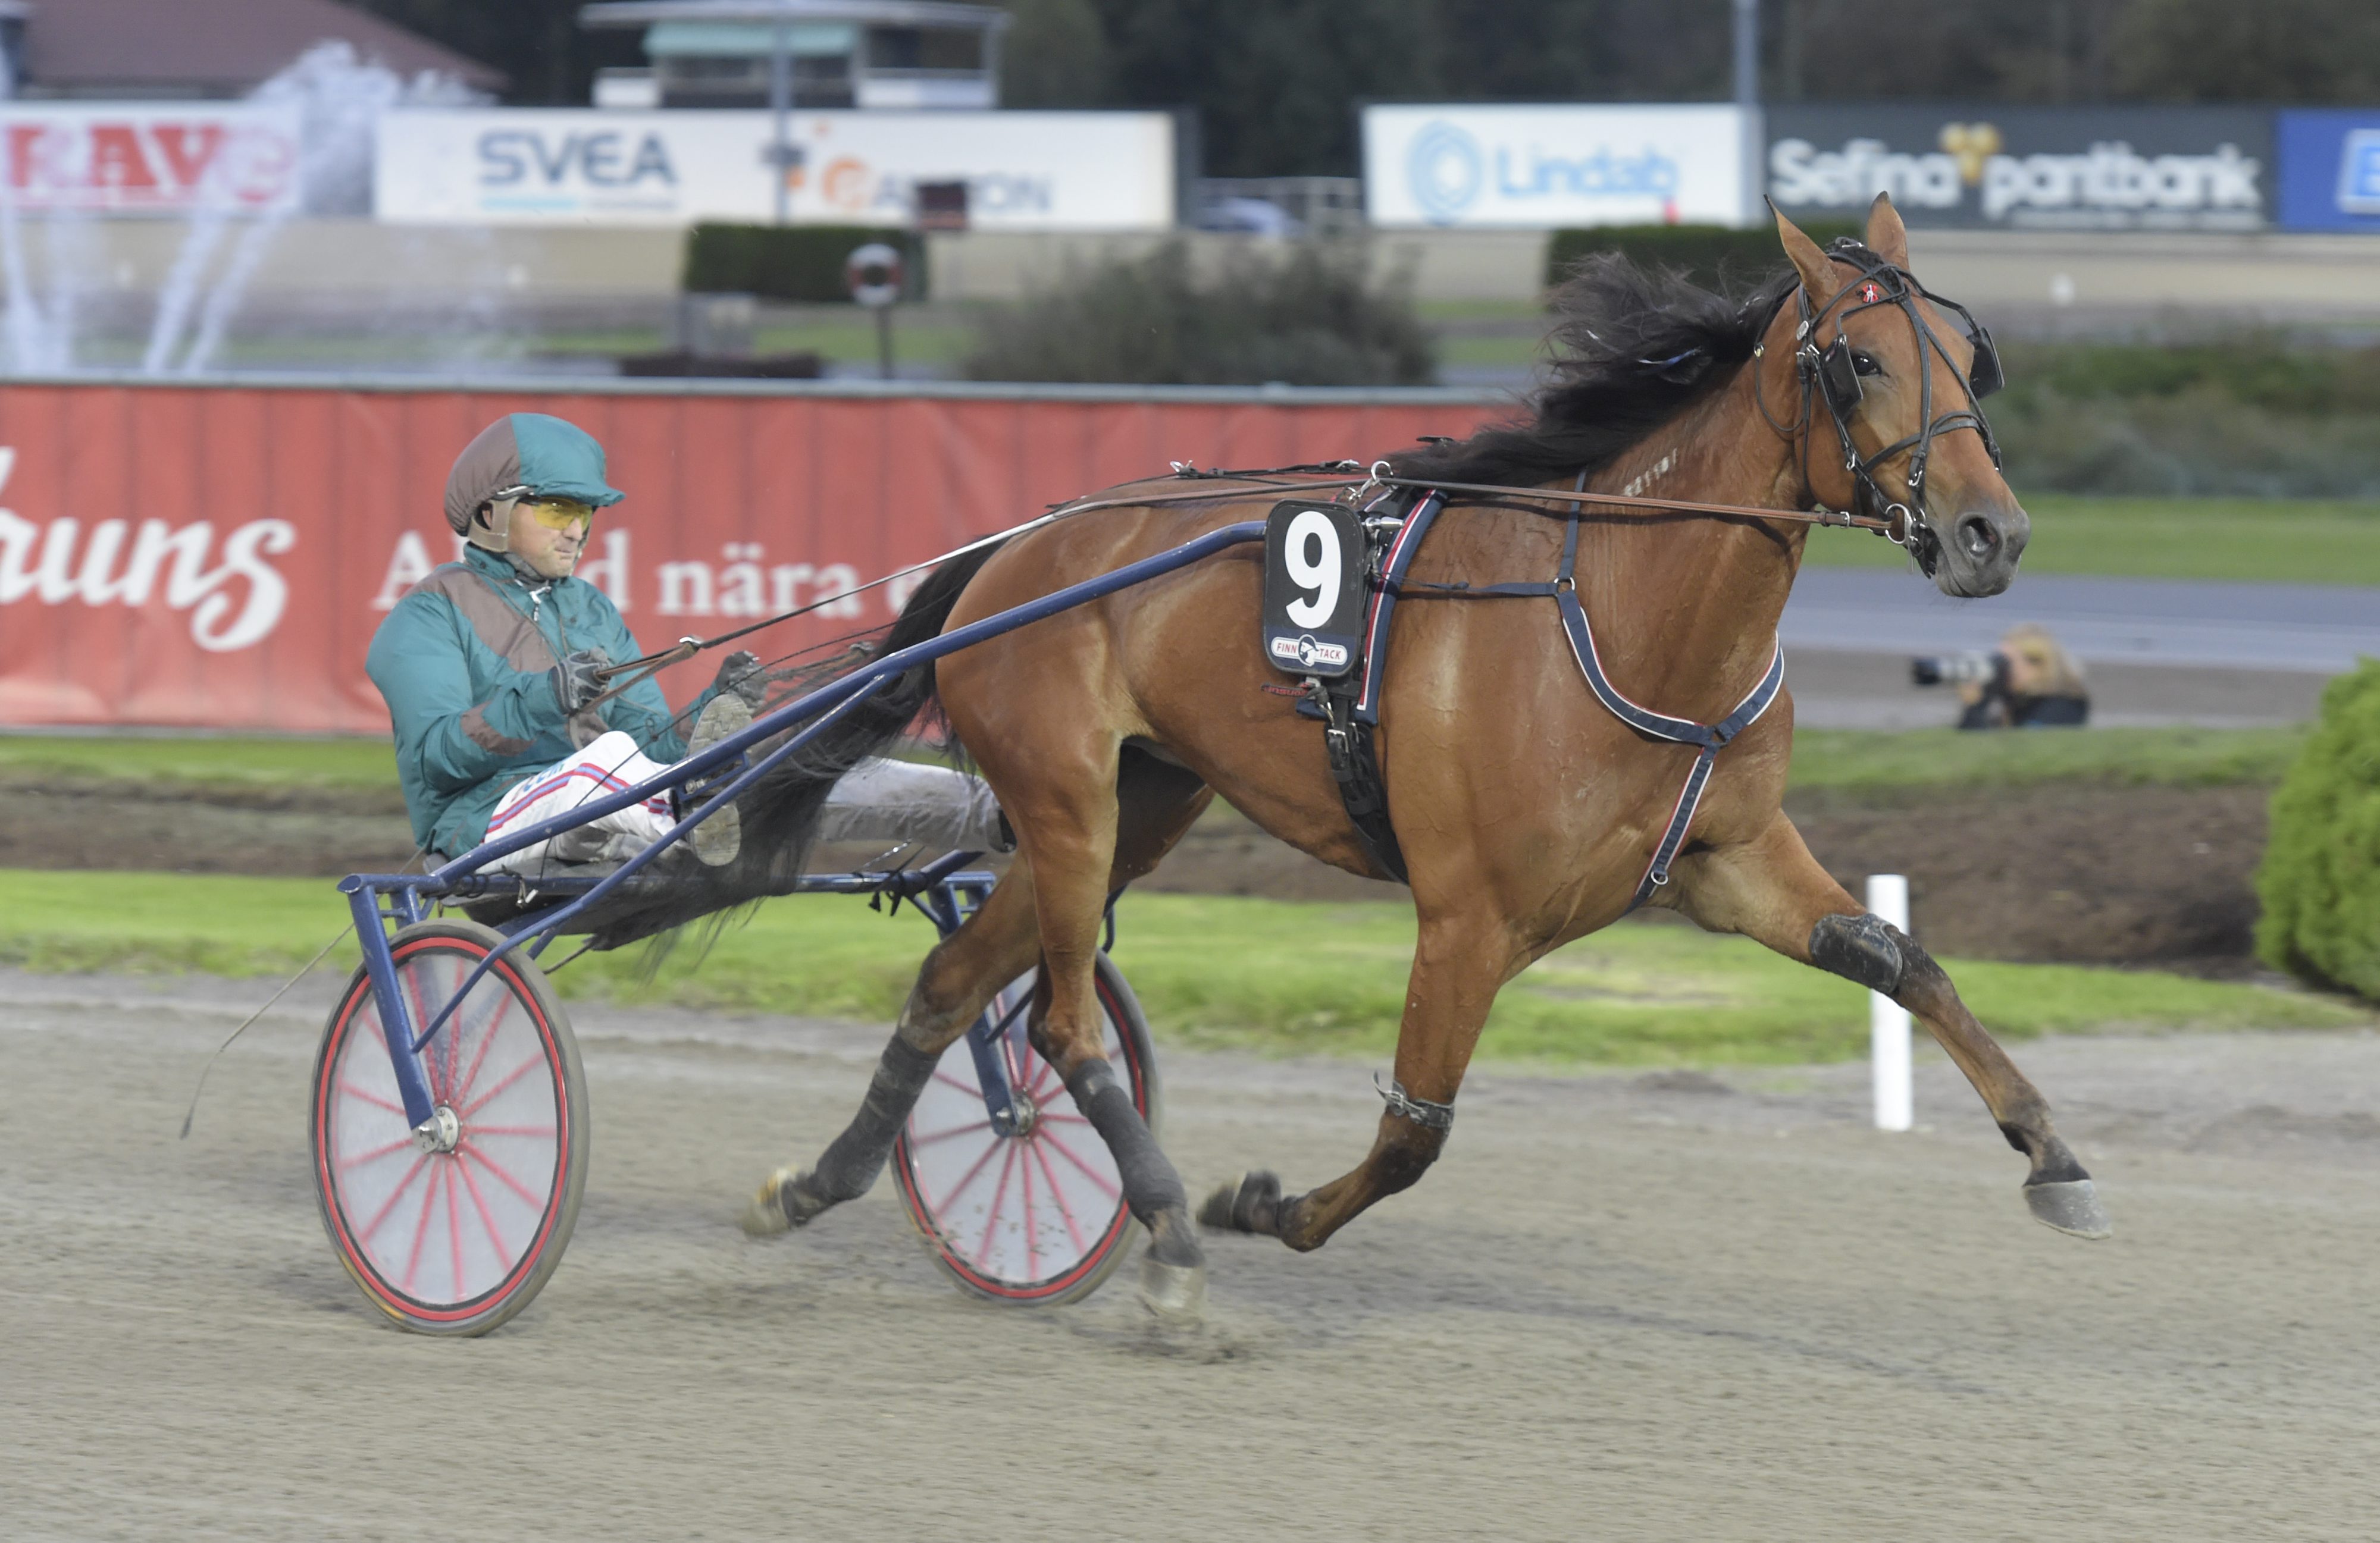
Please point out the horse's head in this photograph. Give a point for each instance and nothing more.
(1892, 376)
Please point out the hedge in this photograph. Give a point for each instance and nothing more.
(790, 263)
(2320, 879)
(1707, 254)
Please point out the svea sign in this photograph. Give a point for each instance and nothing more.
(118, 158)
(1024, 171)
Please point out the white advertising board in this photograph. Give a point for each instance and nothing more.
(1024, 171)
(140, 158)
(1539, 167)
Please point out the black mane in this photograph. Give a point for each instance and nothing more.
(1631, 348)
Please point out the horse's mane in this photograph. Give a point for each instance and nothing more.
(1631, 348)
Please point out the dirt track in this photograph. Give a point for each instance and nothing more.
(1664, 1307)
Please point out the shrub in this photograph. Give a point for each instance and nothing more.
(2320, 879)
(1310, 319)
(1719, 255)
(790, 263)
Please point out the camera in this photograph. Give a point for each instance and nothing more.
(1975, 666)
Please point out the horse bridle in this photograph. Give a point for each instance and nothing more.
(1830, 372)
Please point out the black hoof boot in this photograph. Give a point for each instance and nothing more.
(1249, 1203)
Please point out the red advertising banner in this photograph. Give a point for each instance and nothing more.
(218, 555)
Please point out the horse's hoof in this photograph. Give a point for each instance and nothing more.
(1175, 1293)
(2071, 1206)
(1247, 1203)
(782, 1205)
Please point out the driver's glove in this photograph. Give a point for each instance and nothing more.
(575, 684)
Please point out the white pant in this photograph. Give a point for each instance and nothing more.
(877, 801)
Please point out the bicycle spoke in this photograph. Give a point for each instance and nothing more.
(510, 1077)
(357, 1160)
(454, 1228)
(999, 1199)
(514, 1131)
(968, 1177)
(516, 1185)
(353, 1092)
(394, 1196)
(487, 1043)
(487, 1217)
(420, 1231)
(1032, 1225)
(1067, 1152)
(1074, 1233)
(971, 1090)
(916, 1141)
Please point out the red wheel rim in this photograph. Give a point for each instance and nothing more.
(1027, 1217)
(443, 1236)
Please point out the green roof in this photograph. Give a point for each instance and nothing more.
(733, 40)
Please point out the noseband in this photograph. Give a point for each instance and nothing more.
(1830, 372)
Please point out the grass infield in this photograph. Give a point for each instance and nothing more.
(1271, 976)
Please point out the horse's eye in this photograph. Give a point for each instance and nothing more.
(1865, 363)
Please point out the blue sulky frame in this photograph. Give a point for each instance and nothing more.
(383, 903)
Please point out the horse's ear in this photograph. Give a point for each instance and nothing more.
(1887, 236)
(1818, 273)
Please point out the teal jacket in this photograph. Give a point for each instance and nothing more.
(462, 663)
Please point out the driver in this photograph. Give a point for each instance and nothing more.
(488, 667)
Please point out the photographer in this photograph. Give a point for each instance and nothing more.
(2028, 681)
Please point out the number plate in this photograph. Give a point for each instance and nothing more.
(1313, 588)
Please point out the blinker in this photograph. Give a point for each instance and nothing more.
(1985, 375)
(1839, 377)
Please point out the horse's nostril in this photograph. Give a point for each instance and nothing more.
(1976, 534)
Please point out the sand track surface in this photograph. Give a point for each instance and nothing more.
(1667, 1305)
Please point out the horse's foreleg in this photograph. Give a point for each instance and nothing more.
(1458, 965)
(957, 979)
(1773, 890)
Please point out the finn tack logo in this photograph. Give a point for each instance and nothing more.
(1307, 653)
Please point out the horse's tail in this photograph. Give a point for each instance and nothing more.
(781, 812)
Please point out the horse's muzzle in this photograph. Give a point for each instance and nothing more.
(1980, 551)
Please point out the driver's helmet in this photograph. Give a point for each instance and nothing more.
(527, 455)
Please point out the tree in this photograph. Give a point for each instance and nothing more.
(551, 58)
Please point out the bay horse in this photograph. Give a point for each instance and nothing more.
(1524, 809)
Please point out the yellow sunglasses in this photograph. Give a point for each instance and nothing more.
(560, 513)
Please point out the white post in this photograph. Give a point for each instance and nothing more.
(1888, 1022)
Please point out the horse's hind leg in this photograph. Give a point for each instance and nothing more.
(959, 977)
(1460, 959)
(1773, 890)
(1067, 818)
(1156, 804)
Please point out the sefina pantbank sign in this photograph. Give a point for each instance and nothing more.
(527, 166)
(2027, 168)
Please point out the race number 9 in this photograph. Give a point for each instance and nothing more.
(1312, 588)
(1311, 557)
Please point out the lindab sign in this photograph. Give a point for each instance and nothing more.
(2039, 168)
(169, 159)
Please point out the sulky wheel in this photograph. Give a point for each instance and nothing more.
(455, 1233)
(1037, 1216)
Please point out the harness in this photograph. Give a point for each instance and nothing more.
(1349, 706)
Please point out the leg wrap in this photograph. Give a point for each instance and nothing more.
(1866, 949)
(1150, 1185)
(847, 1167)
